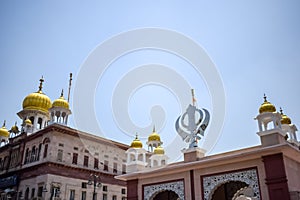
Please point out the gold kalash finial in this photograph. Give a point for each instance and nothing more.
(265, 98)
(41, 84)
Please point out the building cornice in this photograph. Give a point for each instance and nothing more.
(216, 160)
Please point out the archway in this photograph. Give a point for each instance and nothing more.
(166, 195)
(227, 190)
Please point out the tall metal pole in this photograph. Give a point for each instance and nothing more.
(95, 184)
(95, 181)
(70, 82)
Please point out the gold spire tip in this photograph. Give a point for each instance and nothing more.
(41, 84)
(265, 98)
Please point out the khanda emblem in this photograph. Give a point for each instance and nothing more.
(192, 124)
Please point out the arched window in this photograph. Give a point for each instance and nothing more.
(33, 152)
(39, 152)
(26, 156)
(40, 121)
(31, 119)
(45, 151)
(45, 143)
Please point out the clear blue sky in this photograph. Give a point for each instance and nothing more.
(255, 46)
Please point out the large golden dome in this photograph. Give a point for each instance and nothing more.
(154, 136)
(61, 102)
(136, 143)
(37, 100)
(266, 106)
(284, 118)
(3, 131)
(159, 150)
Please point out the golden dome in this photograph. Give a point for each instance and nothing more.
(61, 102)
(136, 143)
(3, 131)
(159, 150)
(266, 106)
(15, 129)
(28, 121)
(154, 136)
(37, 100)
(284, 118)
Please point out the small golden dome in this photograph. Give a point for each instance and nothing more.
(61, 102)
(136, 143)
(28, 122)
(14, 129)
(3, 131)
(284, 118)
(267, 106)
(154, 136)
(159, 150)
(37, 100)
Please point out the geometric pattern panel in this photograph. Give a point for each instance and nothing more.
(249, 176)
(151, 190)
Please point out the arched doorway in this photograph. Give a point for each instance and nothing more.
(227, 190)
(166, 195)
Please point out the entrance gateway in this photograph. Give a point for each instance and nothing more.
(171, 190)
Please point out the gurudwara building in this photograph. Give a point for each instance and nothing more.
(47, 159)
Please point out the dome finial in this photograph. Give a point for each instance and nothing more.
(4, 123)
(153, 130)
(281, 111)
(62, 93)
(41, 84)
(265, 98)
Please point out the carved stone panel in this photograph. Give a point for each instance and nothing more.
(249, 176)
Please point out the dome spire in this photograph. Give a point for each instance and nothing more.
(62, 93)
(4, 123)
(41, 84)
(265, 98)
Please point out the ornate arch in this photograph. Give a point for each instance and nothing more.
(211, 183)
(151, 190)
